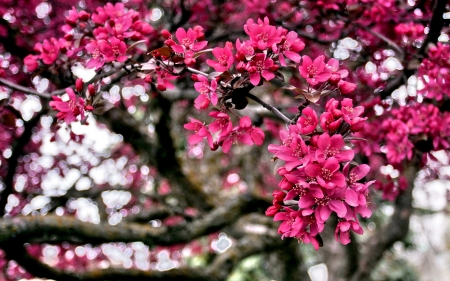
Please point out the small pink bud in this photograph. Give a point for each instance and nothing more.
(346, 87)
(84, 16)
(271, 211)
(278, 195)
(161, 87)
(169, 42)
(79, 85)
(334, 79)
(166, 34)
(68, 37)
(194, 77)
(199, 30)
(91, 90)
(274, 68)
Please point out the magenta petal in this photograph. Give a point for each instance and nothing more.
(199, 45)
(268, 75)
(178, 48)
(280, 216)
(351, 197)
(344, 226)
(292, 56)
(180, 34)
(306, 201)
(194, 139)
(255, 78)
(338, 179)
(324, 141)
(338, 207)
(313, 170)
(331, 164)
(361, 171)
(345, 238)
(364, 211)
(324, 212)
(257, 136)
(345, 156)
(226, 145)
(246, 139)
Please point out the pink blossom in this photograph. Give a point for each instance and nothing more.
(241, 134)
(31, 62)
(295, 154)
(326, 173)
(342, 232)
(68, 110)
(114, 50)
(289, 46)
(188, 41)
(207, 92)
(259, 66)
(262, 34)
(244, 50)
(314, 72)
(329, 123)
(333, 147)
(49, 50)
(346, 87)
(225, 59)
(323, 206)
(97, 60)
(222, 123)
(119, 27)
(307, 123)
(200, 132)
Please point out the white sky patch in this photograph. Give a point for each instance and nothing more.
(221, 244)
(318, 272)
(87, 211)
(29, 106)
(392, 64)
(86, 74)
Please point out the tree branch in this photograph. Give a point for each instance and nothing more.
(17, 151)
(270, 108)
(38, 269)
(394, 231)
(53, 229)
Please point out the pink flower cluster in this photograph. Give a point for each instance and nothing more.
(49, 51)
(415, 126)
(115, 29)
(69, 110)
(258, 59)
(317, 176)
(226, 134)
(434, 73)
(410, 31)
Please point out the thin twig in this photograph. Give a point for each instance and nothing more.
(270, 108)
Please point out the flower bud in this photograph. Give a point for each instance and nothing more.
(166, 34)
(346, 87)
(91, 90)
(83, 15)
(199, 31)
(194, 77)
(271, 211)
(334, 79)
(161, 87)
(79, 85)
(274, 68)
(278, 195)
(169, 42)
